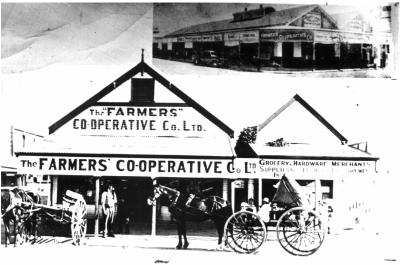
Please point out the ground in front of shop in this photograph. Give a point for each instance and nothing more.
(357, 247)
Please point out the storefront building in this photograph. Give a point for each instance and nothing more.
(136, 142)
(133, 143)
(299, 37)
(306, 147)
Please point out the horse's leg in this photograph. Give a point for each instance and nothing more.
(186, 243)
(15, 231)
(220, 224)
(6, 223)
(34, 228)
(179, 226)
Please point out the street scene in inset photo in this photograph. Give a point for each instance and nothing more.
(298, 40)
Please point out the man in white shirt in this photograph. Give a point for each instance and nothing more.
(264, 211)
(109, 205)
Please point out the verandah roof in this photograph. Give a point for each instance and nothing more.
(277, 18)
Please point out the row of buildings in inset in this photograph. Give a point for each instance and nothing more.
(137, 141)
(298, 37)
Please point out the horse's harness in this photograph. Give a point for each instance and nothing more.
(24, 201)
(216, 204)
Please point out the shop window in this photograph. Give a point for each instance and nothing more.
(327, 189)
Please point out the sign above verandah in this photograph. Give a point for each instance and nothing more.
(191, 167)
(286, 35)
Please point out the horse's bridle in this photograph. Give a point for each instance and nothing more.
(159, 190)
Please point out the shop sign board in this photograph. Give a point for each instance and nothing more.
(239, 184)
(327, 37)
(249, 37)
(234, 36)
(122, 166)
(312, 20)
(188, 45)
(288, 35)
(217, 37)
(197, 38)
(163, 121)
(231, 43)
(206, 38)
(305, 167)
(187, 167)
(355, 37)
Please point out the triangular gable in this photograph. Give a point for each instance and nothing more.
(142, 67)
(315, 18)
(303, 103)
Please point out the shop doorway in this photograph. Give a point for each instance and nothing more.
(133, 213)
(287, 54)
(325, 56)
(248, 53)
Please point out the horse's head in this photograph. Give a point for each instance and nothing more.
(159, 191)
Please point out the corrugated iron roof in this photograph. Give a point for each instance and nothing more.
(281, 17)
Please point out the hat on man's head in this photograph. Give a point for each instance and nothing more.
(266, 200)
(244, 204)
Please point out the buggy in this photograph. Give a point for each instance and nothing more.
(299, 229)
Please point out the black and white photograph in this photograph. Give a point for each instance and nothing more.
(195, 133)
(297, 39)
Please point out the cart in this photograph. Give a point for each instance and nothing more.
(299, 229)
(72, 211)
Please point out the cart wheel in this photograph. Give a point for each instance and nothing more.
(245, 232)
(78, 222)
(300, 232)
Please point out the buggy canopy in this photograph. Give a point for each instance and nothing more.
(289, 193)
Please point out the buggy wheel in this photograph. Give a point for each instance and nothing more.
(300, 232)
(78, 222)
(245, 232)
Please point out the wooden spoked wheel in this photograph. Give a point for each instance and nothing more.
(78, 222)
(300, 232)
(245, 232)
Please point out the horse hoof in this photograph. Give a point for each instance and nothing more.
(185, 246)
(179, 247)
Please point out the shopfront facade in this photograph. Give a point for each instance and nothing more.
(333, 174)
(134, 144)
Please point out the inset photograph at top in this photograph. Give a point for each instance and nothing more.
(297, 40)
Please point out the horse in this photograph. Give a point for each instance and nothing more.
(17, 206)
(184, 207)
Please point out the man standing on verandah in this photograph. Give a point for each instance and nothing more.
(109, 205)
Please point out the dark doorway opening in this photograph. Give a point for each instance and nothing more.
(287, 54)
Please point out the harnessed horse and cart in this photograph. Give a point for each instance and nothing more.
(23, 207)
(299, 229)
